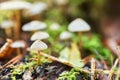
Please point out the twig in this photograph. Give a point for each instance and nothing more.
(118, 52)
(112, 70)
(82, 69)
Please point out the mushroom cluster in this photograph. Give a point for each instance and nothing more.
(45, 45)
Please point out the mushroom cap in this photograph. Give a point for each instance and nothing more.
(61, 2)
(18, 44)
(55, 26)
(14, 5)
(65, 35)
(38, 45)
(78, 25)
(7, 24)
(34, 25)
(37, 8)
(39, 35)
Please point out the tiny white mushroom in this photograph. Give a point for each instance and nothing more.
(18, 44)
(79, 25)
(38, 46)
(7, 25)
(34, 25)
(14, 5)
(37, 8)
(39, 35)
(55, 26)
(61, 2)
(65, 35)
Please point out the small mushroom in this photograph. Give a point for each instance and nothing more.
(38, 46)
(39, 35)
(65, 35)
(16, 6)
(61, 2)
(18, 44)
(34, 26)
(7, 25)
(36, 8)
(55, 26)
(79, 25)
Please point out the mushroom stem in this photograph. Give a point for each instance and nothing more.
(36, 17)
(80, 39)
(17, 25)
(8, 32)
(18, 51)
(38, 57)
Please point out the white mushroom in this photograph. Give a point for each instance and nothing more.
(37, 8)
(38, 46)
(18, 44)
(39, 35)
(16, 6)
(34, 25)
(61, 2)
(7, 25)
(65, 35)
(79, 25)
(55, 26)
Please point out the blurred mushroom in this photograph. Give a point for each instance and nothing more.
(38, 46)
(40, 35)
(61, 2)
(34, 26)
(7, 25)
(111, 44)
(18, 44)
(36, 9)
(16, 6)
(79, 25)
(65, 35)
(55, 26)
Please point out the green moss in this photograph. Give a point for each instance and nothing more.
(73, 74)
